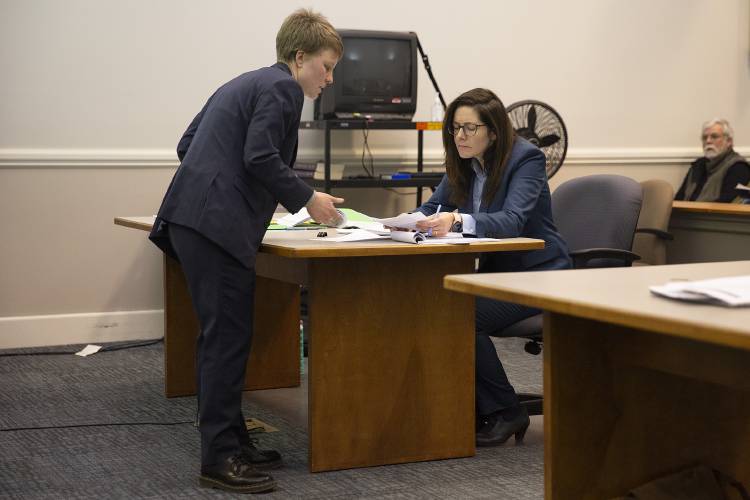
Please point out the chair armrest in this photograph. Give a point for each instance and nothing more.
(662, 235)
(581, 258)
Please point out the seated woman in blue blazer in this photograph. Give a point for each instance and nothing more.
(495, 186)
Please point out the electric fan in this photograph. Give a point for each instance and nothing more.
(541, 125)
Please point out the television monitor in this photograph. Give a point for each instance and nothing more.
(376, 76)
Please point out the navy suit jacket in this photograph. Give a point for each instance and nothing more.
(236, 158)
(522, 207)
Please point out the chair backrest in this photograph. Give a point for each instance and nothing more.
(597, 211)
(655, 213)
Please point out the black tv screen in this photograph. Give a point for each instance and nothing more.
(380, 69)
(376, 74)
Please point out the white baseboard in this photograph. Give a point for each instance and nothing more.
(84, 328)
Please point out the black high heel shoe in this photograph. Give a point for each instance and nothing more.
(497, 431)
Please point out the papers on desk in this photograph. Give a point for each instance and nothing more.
(360, 227)
(423, 239)
(302, 216)
(403, 221)
(732, 292)
(348, 236)
(353, 235)
(371, 226)
(743, 192)
(350, 219)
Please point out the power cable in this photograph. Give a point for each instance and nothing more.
(107, 348)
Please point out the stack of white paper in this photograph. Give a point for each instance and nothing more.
(351, 236)
(733, 291)
(303, 215)
(403, 221)
(372, 226)
(422, 238)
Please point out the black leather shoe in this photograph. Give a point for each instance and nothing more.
(238, 475)
(260, 459)
(498, 430)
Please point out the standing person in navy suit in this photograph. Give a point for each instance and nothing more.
(236, 158)
(495, 186)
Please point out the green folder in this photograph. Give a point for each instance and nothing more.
(351, 216)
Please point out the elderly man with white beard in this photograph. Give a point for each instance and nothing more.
(715, 176)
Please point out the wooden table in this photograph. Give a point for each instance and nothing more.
(635, 386)
(703, 207)
(391, 352)
(708, 232)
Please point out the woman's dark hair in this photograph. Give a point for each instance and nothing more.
(492, 113)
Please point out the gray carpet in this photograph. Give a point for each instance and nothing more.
(161, 461)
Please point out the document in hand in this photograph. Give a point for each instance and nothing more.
(403, 221)
(349, 218)
(303, 216)
(733, 291)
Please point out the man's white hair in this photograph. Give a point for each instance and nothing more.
(728, 132)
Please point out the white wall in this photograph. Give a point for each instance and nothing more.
(95, 94)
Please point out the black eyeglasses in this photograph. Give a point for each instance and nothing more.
(468, 128)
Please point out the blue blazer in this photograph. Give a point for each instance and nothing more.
(236, 158)
(521, 207)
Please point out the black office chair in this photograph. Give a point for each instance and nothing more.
(597, 217)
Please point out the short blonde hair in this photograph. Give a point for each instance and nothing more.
(307, 31)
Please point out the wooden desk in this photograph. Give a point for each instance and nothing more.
(708, 232)
(703, 207)
(391, 353)
(635, 386)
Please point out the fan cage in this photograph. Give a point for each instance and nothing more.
(548, 121)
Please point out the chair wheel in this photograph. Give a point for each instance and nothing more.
(533, 347)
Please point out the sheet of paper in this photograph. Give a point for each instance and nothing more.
(303, 215)
(422, 238)
(479, 240)
(407, 236)
(372, 226)
(294, 219)
(354, 235)
(406, 221)
(88, 350)
(733, 291)
(453, 239)
(446, 241)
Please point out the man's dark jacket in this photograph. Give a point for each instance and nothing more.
(236, 159)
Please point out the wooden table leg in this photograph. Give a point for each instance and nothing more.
(624, 406)
(275, 356)
(391, 361)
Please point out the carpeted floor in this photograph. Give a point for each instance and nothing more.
(57, 450)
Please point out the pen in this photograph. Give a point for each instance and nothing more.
(429, 232)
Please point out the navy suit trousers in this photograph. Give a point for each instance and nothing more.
(222, 292)
(494, 391)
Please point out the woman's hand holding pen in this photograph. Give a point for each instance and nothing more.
(440, 224)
